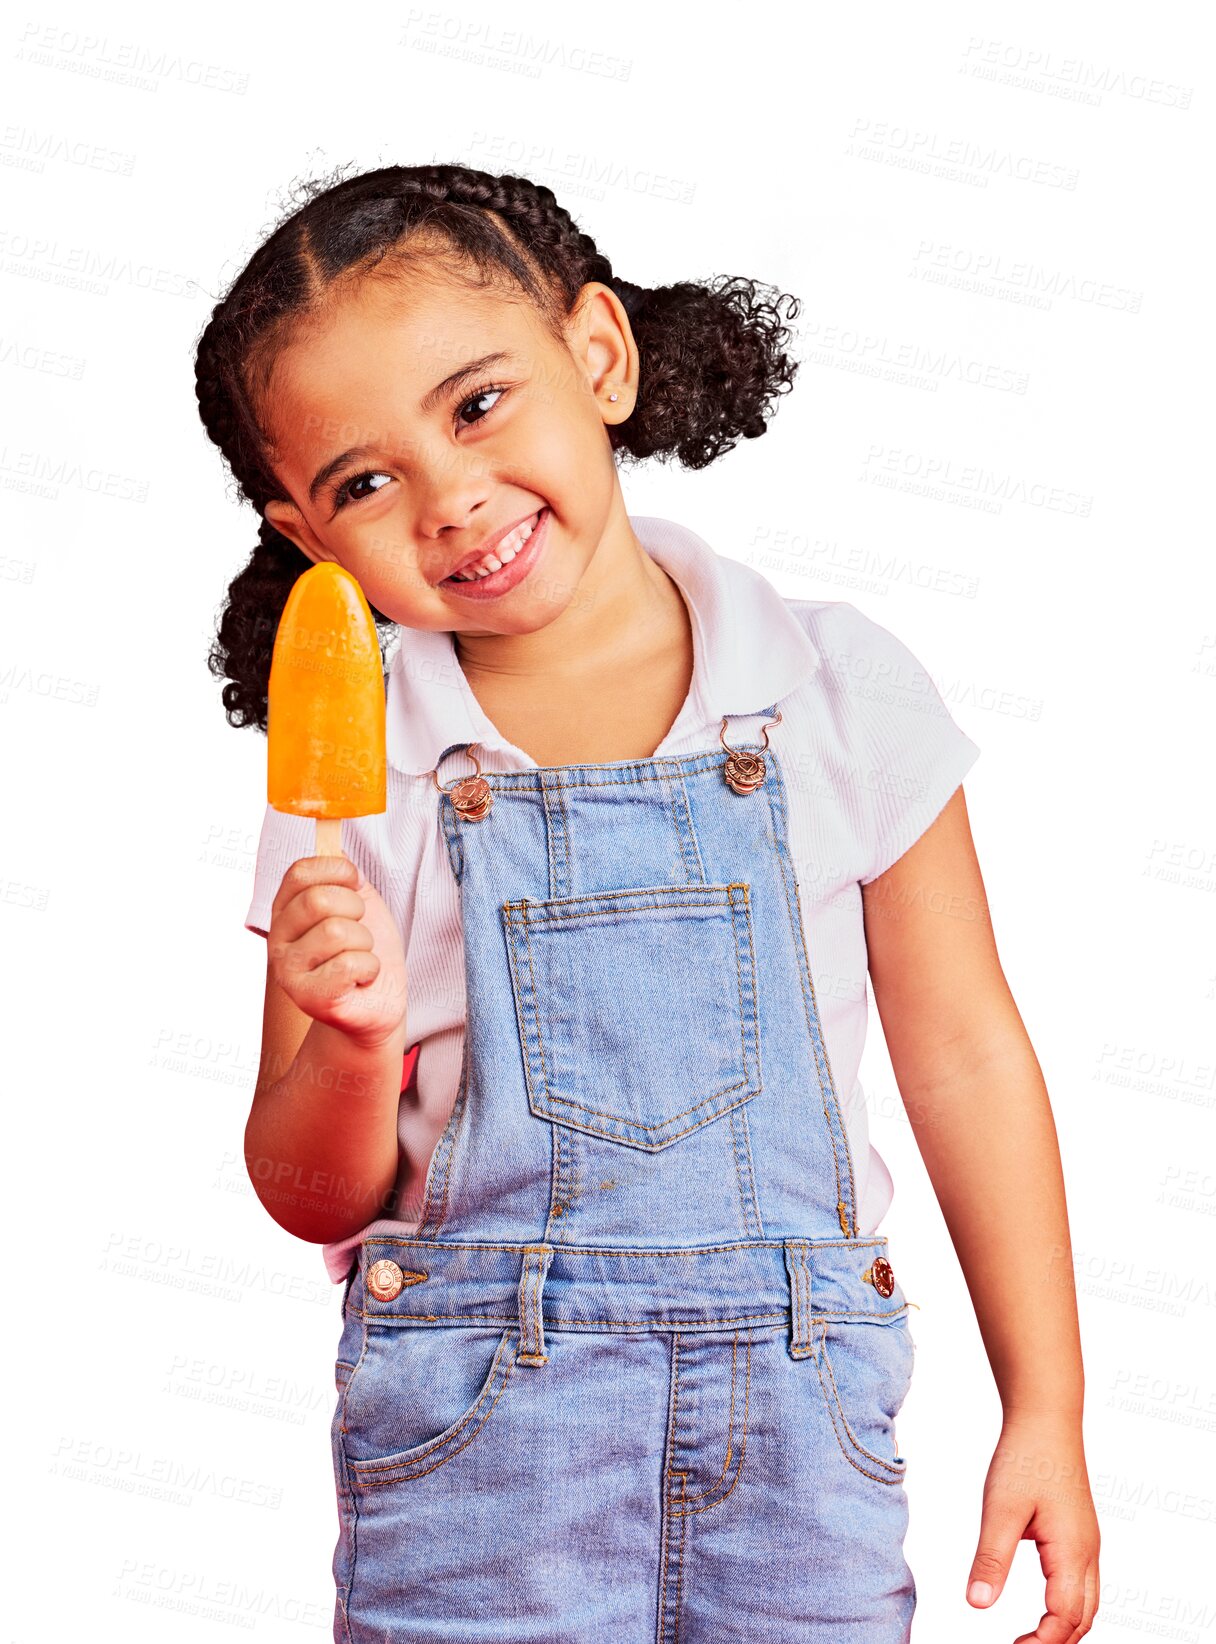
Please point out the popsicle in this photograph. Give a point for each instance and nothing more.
(325, 706)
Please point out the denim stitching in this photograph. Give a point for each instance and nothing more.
(567, 862)
(705, 1494)
(623, 1324)
(710, 1323)
(883, 1461)
(741, 931)
(533, 1281)
(365, 1316)
(526, 1005)
(742, 1443)
(366, 1471)
(836, 1125)
(743, 1127)
(802, 959)
(557, 1148)
(349, 1529)
(576, 1163)
(668, 1514)
(686, 832)
(569, 1166)
(673, 1512)
(557, 843)
(730, 1426)
(802, 1281)
(741, 913)
(682, 1518)
(864, 1242)
(745, 1175)
(443, 1152)
(836, 1133)
(717, 896)
(832, 1402)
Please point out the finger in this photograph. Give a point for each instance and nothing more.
(314, 870)
(1091, 1585)
(1066, 1570)
(314, 903)
(345, 971)
(331, 937)
(1000, 1533)
(1093, 1588)
(1067, 1574)
(1090, 1607)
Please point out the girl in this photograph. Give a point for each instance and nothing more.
(621, 1348)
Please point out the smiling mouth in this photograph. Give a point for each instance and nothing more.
(493, 561)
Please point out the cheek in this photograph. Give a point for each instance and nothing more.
(394, 577)
(571, 463)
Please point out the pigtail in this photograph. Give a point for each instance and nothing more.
(244, 638)
(712, 363)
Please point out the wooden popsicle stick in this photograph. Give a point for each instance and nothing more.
(329, 836)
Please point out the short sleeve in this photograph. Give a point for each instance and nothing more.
(910, 754)
(284, 840)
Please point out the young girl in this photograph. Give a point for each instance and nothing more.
(621, 1348)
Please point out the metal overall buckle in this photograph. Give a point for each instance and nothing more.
(470, 795)
(743, 769)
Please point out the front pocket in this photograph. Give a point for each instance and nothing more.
(419, 1395)
(636, 1008)
(865, 1370)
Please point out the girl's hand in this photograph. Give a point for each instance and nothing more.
(1037, 1489)
(335, 951)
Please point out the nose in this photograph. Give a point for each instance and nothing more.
(448, 511)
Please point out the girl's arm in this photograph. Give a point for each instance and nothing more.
(321, 1138)
(980, 1113)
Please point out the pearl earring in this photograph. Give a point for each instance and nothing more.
(612, 396)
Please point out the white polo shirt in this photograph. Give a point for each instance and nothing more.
(870, 755)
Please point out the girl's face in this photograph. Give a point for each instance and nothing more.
(415, 424)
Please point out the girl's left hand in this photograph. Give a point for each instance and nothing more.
(1037, 1489)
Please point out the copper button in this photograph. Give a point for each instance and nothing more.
(385, 1280)
(882, 1276)
(744, 771)
(472, 798)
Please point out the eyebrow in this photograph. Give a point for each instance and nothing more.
(426, 405)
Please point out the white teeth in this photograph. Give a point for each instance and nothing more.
(502, 555)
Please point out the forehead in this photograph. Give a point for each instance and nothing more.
(383, 343)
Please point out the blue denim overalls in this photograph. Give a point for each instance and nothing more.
(636, 1376)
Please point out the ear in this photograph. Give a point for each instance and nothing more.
(602, 339)
(289, 522)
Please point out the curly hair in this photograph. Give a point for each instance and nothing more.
(711, 353)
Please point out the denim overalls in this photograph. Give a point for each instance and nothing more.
(636, 1376)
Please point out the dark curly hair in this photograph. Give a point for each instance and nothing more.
(711, 353)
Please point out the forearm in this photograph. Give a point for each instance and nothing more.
(321, 1141)
(985, 1129)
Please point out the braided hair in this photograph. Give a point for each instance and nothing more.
(711, 354)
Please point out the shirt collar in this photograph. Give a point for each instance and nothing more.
(749, 651)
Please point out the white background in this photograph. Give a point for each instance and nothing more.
(995, 217)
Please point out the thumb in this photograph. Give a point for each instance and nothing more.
(999, 1537)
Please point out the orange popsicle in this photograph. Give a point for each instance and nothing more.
(325, 706)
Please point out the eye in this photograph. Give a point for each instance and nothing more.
(343, 494)
(478, 400)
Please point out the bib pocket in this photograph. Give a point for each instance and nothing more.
(636, 1008)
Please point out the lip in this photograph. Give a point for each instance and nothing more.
(502, 581)
(490, 544)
